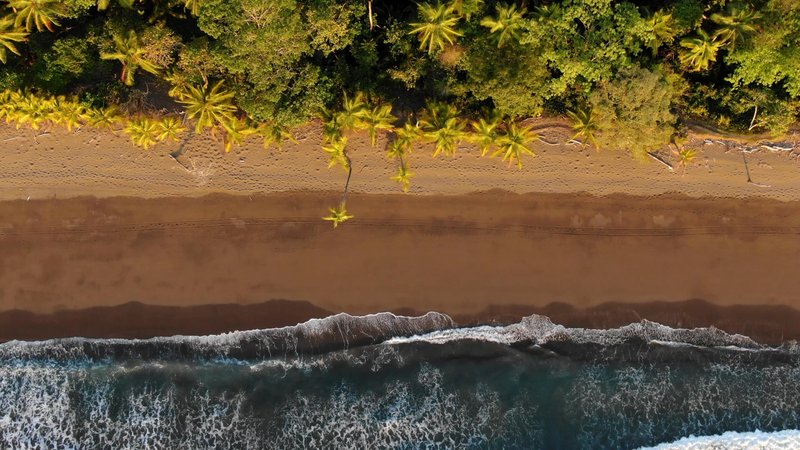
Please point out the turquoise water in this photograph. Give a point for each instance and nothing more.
(531, 385)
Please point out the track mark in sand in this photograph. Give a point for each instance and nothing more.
(91, 231)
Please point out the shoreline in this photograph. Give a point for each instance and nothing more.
(91, 221)
(765, 324)
(459, 255)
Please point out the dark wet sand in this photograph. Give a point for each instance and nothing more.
(67, 265)
(770, 325)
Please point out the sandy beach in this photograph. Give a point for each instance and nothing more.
(91, 223)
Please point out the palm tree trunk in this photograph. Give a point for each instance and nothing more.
(347, 183)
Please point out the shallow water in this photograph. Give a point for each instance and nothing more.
(529, 385)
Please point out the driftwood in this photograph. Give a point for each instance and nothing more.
(661, 160)
(747, 171)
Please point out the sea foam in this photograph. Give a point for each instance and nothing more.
(731, 440)
(536, 329)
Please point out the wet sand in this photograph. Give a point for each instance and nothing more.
(68, 265)
(771, 325)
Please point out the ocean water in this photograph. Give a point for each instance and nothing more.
(384, 381)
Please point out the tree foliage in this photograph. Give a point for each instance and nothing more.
(633, 111)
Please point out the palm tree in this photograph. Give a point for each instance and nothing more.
(236, 131)
(508, 23)
(9, 34)
(685, 157)
(736, 26)
(170, 128)
(377, 118)
(514, 144)
(399, 149)
(331, 130)
(193, 6)
(209, 107)
(352, 111)
(104, 117)
(143, 131)
(437, 28)
(700, 51)
(338, 214)
(442, 125)
(585, 126)
(467, 8)
(338, 154)
(131, 54)
(274, 133)
(403, 176)
(39, 14)
(662, 30)
(547, 12)
(403, 139)
(32, 110)
(69, 113)
(484, 132)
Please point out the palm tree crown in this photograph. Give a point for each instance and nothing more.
(9, 34)
(170, 127)
(377, 118)
(403, 139)
(143, 131)
(442, 125)
(514, 144)
(104, 117)
(736, 26)
(485, 133)
(403, 177)
(700, 51)
(131, 54)
(338, 214)
(508, 23)
(209, 107)
(438, 26)
(39, 14)
(662, 30)
(337, 153)
(585, 126)
(236, 131)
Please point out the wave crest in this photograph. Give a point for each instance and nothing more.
(540, 330)
(731, 440)
(337, 332)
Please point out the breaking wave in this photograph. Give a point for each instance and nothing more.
(731, 440)
(383, 381)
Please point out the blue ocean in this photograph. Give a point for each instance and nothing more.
(387, 381)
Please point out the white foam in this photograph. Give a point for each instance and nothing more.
(340, 330)
(731, 440)
(540, 330)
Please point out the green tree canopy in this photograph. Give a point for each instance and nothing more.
(633, 111)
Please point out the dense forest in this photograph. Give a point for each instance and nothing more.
(628, 73)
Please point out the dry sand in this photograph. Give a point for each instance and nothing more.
(102, 164)
(560, 231)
